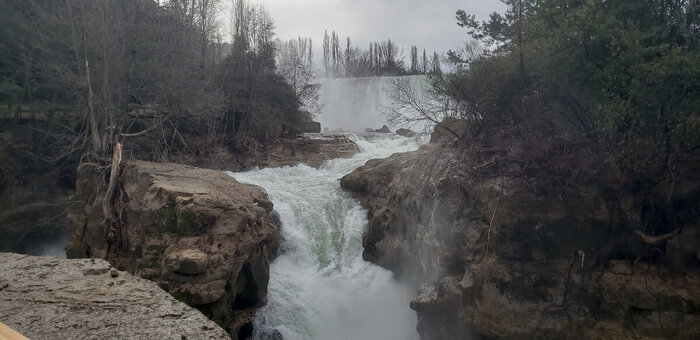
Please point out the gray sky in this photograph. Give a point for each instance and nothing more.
(428, 24)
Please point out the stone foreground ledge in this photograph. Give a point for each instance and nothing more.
(51, 298)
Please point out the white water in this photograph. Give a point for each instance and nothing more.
(320, 288)
(354, 104)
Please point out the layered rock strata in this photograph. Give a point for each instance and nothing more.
(51, 298)
(199, 234)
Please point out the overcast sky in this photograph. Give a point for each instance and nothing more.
(428, 24)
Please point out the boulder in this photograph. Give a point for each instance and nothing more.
(405, 133)
(199, 234)
(384, 129)
(311, 127)
(369, 130)
(51, 298)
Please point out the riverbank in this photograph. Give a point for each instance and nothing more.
(504, 254)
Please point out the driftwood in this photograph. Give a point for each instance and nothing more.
(657, 240)
(113, 176)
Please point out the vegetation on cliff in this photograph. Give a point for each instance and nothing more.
(606, 89)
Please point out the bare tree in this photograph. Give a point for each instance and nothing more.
(295, 65)
(415, 103)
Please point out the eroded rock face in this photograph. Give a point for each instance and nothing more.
(51, 298)
(311, 149)
(495, 257)
(202, 236)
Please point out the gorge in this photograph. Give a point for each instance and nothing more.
(197, 169)
(320, 287)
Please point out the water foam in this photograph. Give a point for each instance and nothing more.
(320, 288)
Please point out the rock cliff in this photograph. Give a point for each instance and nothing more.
(199, 234)
(51, 298)
(503, 257)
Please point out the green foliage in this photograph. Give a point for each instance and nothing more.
(619, 80)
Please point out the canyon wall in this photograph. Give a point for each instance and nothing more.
(500, 257)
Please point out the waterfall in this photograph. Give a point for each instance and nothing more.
(353, 104)
(320, 287)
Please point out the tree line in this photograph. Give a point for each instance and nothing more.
(612, 85)
(380, 59)
(107, 57)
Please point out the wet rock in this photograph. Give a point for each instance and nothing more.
(311, 150)
(369, 130)
(199, 234)
(384, 129)
(271, 335)
(405, 133)
(51, 298)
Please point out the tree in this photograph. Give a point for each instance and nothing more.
(326, 52)
(335, 52)
(436, 68)
(348, 66)
(295, 65)
(414, 60)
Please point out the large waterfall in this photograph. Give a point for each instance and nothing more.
(354, 104)
(320, 288)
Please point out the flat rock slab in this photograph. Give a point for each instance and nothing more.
(51, 298)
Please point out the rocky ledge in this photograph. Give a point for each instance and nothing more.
(50, 298)
(500, 257)
(199, 234)
(311, 149)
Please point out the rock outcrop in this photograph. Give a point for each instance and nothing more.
(199, 234)
(51, 298)
(311, 149)
(384, 129)
(405, 133)
(501, 257)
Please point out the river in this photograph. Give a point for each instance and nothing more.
(320, 287)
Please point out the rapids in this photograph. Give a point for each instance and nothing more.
(320, 287)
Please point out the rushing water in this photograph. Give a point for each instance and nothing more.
(320, 288)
